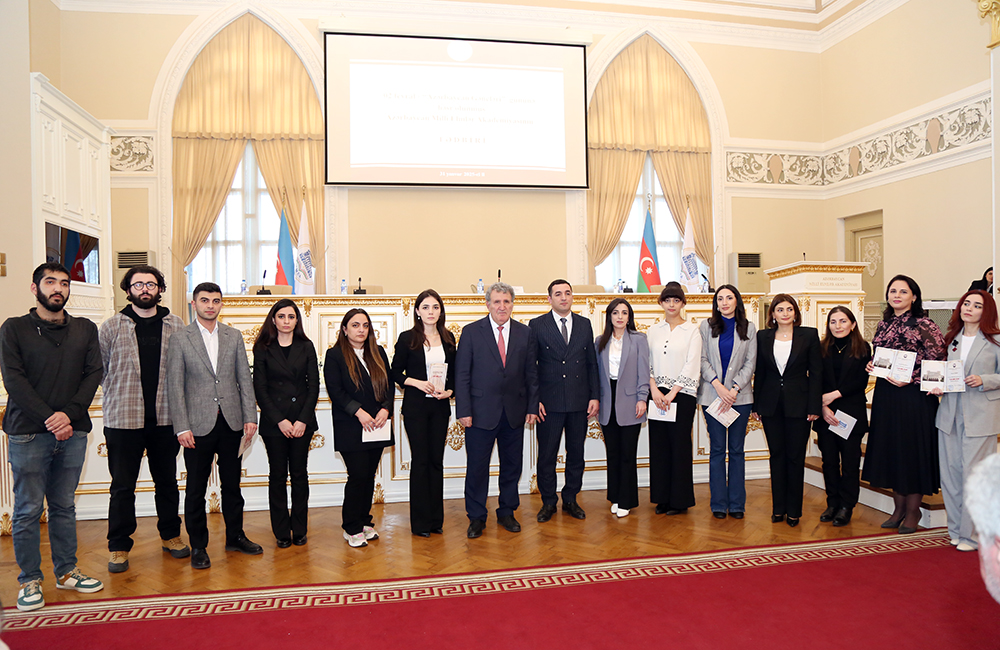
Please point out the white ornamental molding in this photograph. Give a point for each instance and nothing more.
(947, 131)
(132, 153)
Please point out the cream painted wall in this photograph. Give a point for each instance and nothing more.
(110, 61)
(768, 94)
(937, 227)
(129, 219)
(448, 239)
(781, 230)
(922, 51)
(46, 39)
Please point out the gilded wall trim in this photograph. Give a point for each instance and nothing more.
(991, 9)
(818, 268)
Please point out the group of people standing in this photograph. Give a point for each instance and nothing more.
(168, 386)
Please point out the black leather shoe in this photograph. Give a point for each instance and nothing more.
(718, 514)
(546, 513)
(675, 511)
(199, 559)
(438, 531)
(792, 521)
(476, 528)
(574, 510)
(736, 515)
(300, 541)
(843, 517)
(509, 523)
(244, 545)
(776, 519)
(661, 508)
(284, 543)
(827, 514)
(423, 534)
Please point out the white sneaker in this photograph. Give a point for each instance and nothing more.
(79, 582)
(954, 542)
(356, 541)
(370, 532)
(621, 512)
(29, 597)
(614, 508)
(965, 547)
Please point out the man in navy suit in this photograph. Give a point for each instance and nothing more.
(496, 393)
(570, 394)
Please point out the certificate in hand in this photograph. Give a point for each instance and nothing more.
(656, 413)
(902, 366)
(439, 372)
(725, 417)
(246, 442)
(382, 434)
(954, 377)
(882, 362)
(949, 376)
(845, 424)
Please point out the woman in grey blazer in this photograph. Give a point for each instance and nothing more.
(968, 423)
(728, 357)
(623, 370)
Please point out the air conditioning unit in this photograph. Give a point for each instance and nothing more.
(124, 260)
(746, 274)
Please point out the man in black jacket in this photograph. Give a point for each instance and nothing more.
(51, 365)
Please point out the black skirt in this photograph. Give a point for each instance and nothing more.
(902, 452)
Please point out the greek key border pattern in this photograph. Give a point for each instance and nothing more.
(945, 131)
(418, 589)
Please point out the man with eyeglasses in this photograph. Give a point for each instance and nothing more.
(136, 418)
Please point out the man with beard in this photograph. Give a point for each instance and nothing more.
(136, 418)
(51, 365)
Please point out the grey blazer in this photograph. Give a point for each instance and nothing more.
(980, 406)
(196, 393)
(739, 371)
(633, 379)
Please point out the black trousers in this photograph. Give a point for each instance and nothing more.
(288, 457)
(224, 443)
(479, 444)
(787, 439)
(622, 444)
(841, 467)
(427, 432)
(360, 489)
(125, 448)
(671, 468)
(549, 434)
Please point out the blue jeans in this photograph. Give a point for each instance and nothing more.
(45, 469)
(731, 495)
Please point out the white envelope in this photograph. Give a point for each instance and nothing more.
(381, 434)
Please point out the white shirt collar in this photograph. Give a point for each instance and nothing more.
(204, 330)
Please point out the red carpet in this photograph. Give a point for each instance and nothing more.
(875, 592)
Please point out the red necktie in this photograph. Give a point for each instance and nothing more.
(501, 346)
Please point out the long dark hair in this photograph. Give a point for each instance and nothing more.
(418, 339)
(609, 328)
(916, 309)
(858, 346)
(376, 367)
(269, 333)
(987, 324)
(772, 323)
(715, 322)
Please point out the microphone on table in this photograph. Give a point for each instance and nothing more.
(359, 291)
(263, 291)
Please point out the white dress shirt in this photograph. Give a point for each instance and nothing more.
(569, 324)
(211, 340)
(615, 355)
(782, 350)
(497, 332)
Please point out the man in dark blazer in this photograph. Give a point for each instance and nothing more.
(496, 393)
(570, 394)
(211, 400)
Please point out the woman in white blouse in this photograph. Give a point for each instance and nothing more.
(674, 368)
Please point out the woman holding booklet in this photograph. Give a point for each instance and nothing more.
(422, 365)
(902, 453)
(845, 413)
(968, 422)
(356, 371)
(728, 357)
(675, 365)
(787, 393)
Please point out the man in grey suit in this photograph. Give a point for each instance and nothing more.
(212, 406)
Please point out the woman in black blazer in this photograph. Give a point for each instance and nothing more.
(286, 384)
(787, 395)
(426, 408)
(357, 380)
(845, 357)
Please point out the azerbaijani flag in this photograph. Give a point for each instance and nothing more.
(286, 266)
(72, 257)
(649, 267)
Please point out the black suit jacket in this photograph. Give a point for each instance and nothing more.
(347, 398)
(413, 364)
(567, 373)
(851, 381)
(286, 389)
(484, 387)
(800, 389)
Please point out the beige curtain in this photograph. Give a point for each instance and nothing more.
(246, 84)
(645, 102)
(614, 175)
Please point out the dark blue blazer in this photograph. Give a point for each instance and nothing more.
(484, 388)
(567, 373)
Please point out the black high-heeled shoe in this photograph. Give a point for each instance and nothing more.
(890, 523)
(777, 519)
(792, 521)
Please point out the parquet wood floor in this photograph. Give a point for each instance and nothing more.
(327, 558)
